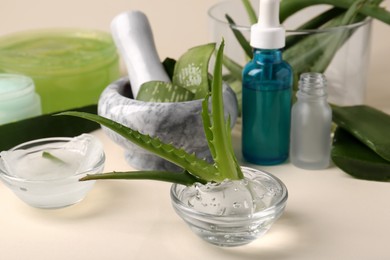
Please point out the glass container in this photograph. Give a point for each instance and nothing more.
(311, 124)
(18, 99)
(70, 67)
(45, 173)
(348, 69)
(232, 213)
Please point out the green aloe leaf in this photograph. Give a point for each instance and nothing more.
(234, 68)
(250, 11)
(369, 125)
(197, 167)
(225, 159)
(240, 37)
(371, 8)
(45, 126)
(191, 70)
(169, 66)
(183, 178)
(159, 91)
(314, 23)
(356, 159)
(315, 52)
(207, 125)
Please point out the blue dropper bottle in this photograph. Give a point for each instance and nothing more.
(266, 93)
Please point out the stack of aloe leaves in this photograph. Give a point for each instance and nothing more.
(361, 144)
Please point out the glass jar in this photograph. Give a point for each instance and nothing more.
(18, 99)
(70, 67)
(311, 123)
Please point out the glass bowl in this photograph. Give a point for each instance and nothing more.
(348, 70)
(232, 213)
(45, 173)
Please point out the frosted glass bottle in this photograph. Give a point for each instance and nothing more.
(311, 121)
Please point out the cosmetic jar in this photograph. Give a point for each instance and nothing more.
(70, 67)
(18, 99)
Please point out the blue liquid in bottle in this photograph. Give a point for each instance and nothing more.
(266, 108)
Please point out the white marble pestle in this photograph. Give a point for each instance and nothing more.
(134, 39)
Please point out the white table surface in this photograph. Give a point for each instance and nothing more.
(329, 215)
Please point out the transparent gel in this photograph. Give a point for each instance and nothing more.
(45, 173)
(231, 213)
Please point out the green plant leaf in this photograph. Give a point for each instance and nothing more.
(250, 11)
(191, 70)
(314, 23)
(45, 126)
(369, 125)
(53, 158)
(225, 159)
(316, 51)
(240, 37)
(169, 66)
(197, 167)
(183, 178)
(371, 8)
(207, 125)
(159, 91)
(356, 159)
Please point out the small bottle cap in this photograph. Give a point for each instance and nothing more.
(267, 33)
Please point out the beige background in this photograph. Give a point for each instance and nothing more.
(329, 214)
(177, 25)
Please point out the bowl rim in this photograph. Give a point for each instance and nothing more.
(4, 174)
(241, 27)
(279, 204)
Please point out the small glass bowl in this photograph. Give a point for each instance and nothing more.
(224, 223)
(39, 188)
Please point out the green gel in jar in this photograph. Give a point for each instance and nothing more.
(18, 99)
(70, 68)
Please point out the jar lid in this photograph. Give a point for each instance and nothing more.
(14, 86)
(56, 51)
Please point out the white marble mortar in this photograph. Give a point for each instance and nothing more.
(177, 123)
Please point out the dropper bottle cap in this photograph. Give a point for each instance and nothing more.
(267, 33)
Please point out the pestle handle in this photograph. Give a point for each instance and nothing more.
(133, 37)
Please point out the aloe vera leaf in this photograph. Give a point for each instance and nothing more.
(289, 7)
(250, 11)
(356, 159)
(169, 66)
(207, 125)
(45, 126)
(240, 37)
(197, 167)
(191, 70)
(225, 159)
(338, 40)
(234, 68)
(183, 178)
(159, 91)
(314, 23)
(53, 158)
(308, 54)
(236, 85)
(369, 125)
(230, 144)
